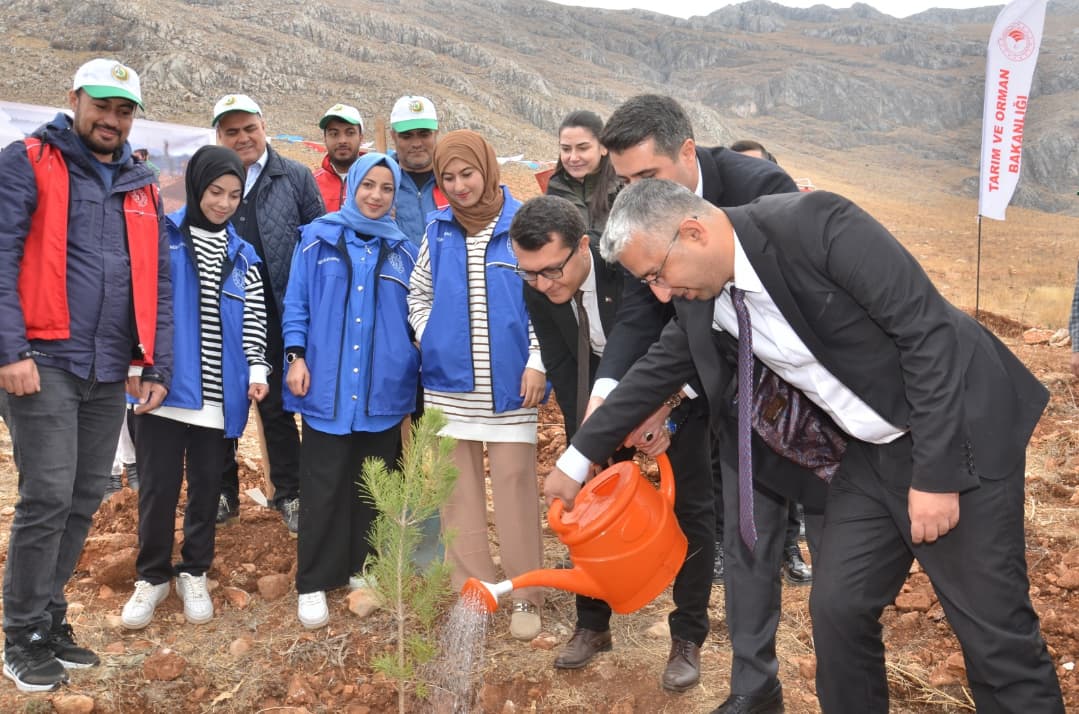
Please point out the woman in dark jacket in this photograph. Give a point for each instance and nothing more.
(584, 175)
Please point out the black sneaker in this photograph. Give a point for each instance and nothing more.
(290, 511)
(114, 486)
(67, 652)
(226, 510)
(132, 472)
(30, 663)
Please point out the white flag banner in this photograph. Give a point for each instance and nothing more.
(1009, 69)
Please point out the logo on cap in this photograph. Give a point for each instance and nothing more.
(415, 106)
(230, 100)
(337, 107)
(120, 72)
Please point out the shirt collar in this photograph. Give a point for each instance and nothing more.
(589, 284)
(745, 277)
(700, 179)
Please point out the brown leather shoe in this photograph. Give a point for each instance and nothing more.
(582, 647)
(683, 666)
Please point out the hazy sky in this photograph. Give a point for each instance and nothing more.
(688, 8)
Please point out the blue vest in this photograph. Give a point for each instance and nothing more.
(320, 281)
(186, 388)
(447, 357)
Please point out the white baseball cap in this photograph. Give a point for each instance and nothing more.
(235, 103)
(412, 112)
(343, 112)
(105, 78)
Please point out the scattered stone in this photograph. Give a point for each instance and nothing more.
(943, 676)
(115, 569)
(956, 663)
(7, 511)
(114, 621)
(105, 593)
(141, 645)
(363, 602)
(73, 704)
(916, 602)
(211, 585)
(248, 567)
(298, 691)
(74, 609)
(1060, 338)
(357, 708)
(509, 707)
(236, 597)
(1037, 336)
(545, 641)
(240, 646)
(1069, 579)
(661, 630)
(606, 670)
(98, 546)
(273, 587)
(625, 705)
(198, 694)
(164, 665)
(807, 667)
(116, 648)
(907, 621)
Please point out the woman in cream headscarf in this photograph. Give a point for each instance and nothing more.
(481, 367)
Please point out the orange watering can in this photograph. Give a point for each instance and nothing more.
(622, 536)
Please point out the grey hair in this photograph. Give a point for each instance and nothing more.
(654, 208)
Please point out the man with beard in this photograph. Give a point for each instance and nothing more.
(342, 132)
(84, 293)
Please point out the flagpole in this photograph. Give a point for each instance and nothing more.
(978, 270)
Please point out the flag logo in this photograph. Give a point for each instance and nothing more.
(1017, 42)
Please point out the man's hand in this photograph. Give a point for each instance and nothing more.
(298, 379)
(931, 514)
(533, 385)
(1075, 363)
(257, 391)
(651, 436)
(559, 485)
(20, 378)
(150, 396)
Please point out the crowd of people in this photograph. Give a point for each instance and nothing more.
(667, 291)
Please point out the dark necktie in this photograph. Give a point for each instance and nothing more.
(746, 525)
(584, 356)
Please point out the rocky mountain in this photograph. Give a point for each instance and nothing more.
(819, 81)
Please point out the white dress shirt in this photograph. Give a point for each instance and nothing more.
(254, 171)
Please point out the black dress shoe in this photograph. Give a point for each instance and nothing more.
(582, 647)
(683, 666)
(795, 569)
(768, 702)
(717, 566)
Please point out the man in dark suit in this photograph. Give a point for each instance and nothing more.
(650, 136)
(936, 410)
(564, 274)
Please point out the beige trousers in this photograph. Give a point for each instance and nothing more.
(516, 514)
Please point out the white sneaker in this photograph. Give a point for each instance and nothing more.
(139, 609)
(358, 582)
(312, 610)
(198, 607)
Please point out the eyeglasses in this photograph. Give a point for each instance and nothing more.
(655, 279)
(552, 273)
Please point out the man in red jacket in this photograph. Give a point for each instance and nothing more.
(84, 293)
(342, 130)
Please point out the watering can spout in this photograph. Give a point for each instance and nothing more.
(485, 594)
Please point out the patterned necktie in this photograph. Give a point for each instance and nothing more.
(584, 356)
(746, 525)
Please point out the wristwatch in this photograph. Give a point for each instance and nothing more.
(292, 355)
(673, 401)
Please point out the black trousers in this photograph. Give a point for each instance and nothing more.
(978, 570)
(753, 588)
(691, 462)
(279, 426)
(162, 446)
(335, 519)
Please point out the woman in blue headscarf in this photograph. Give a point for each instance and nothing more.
(352, 372)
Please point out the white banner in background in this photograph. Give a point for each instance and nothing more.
(1009, 69)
